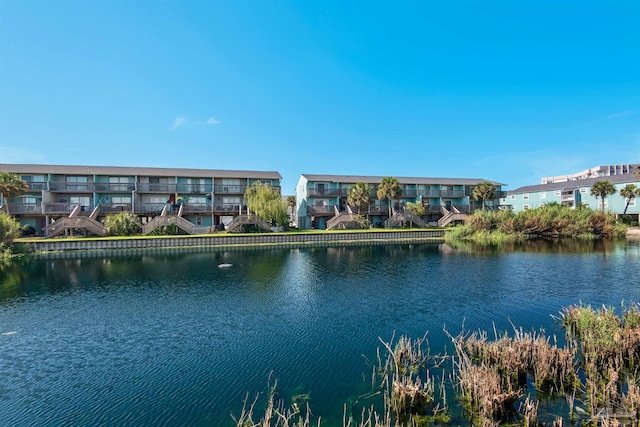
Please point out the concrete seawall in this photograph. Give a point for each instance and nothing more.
(276, 239)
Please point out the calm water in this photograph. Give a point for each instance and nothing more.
(168, 338)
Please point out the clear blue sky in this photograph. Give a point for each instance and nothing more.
(504, 90)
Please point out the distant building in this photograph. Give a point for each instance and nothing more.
(573, 193)
(321, 199)
(194, 199)
(596, 172)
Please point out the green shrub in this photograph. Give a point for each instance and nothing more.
(9, 230)
(123, 224)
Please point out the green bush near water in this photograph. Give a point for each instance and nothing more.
(551, 220)
(123, 224)
(10, 229)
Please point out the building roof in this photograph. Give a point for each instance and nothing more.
(403, 180)
(572, 185)
(133, 171)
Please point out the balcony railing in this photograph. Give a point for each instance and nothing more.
(25, 208)
(114, 188)
(37, 186)
(230, 189)
(197, 207)
(327, 192)
(195, 188)
(156, 188)
(320, 210)
(71, 186)
(59, 208)
(228, 208)
(565, 197)
(115, 207)
(142, 208)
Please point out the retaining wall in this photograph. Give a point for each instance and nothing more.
(231, 240)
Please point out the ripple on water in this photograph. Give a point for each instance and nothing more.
(173, 340)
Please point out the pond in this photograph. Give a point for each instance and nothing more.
(169, 338)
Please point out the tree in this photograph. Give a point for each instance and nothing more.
(122, 224)
(602, 189)
(389, 189)
(416, 208)
(629, 192)
(266, 202)
(636, 172)
(11, 185)
(485, 190)
(360, 195)
(9, 230)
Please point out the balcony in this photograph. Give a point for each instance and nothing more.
(115, 207)
(196, 208)
(325, 210)
(567, 197)
(150, 208)
(114, 188)
(452, 193)
(25, 208)
(37, 186)
(327, 192)
(156, 188)
(59, 208)
(195, 188)
(230, 189)
(227, 208)
(75, 187)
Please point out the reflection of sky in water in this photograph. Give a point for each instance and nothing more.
(170, 338)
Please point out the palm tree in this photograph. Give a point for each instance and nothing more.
(11, 185)
(602, 189)
(629, 192)
(636, 172)
(389, 189)
(485, 190)
(360, 195)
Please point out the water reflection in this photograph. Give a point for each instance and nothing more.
(167, 337)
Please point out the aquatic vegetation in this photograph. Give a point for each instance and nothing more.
(503, 380)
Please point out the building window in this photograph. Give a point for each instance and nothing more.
(76, 182)
(118, 183)
(503, 200)
(632, 202)
(525, 207)
(558, 192)
(606, 203)
(121, 200)
(513, 197)
(198, 220)
(525, 196)
(542, 195)
(583, 190)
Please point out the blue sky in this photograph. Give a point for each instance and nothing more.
(504, 90)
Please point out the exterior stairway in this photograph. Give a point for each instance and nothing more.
(69, 223)
(344, 220)
(165, 219)
(400, 217)
(451, 215)
(251, 219)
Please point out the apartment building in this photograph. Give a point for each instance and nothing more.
(321, 199)
(197, 199)
(595, 172)
(573, 193)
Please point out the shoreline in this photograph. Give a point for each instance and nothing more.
(245, 240)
